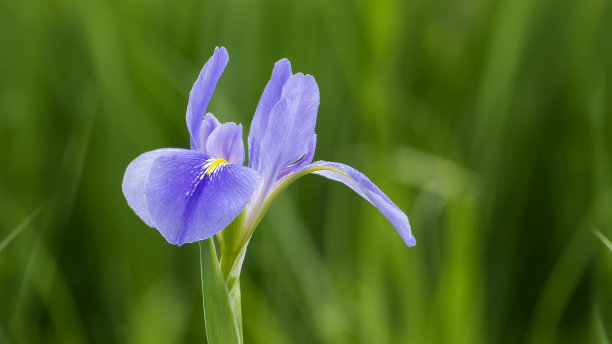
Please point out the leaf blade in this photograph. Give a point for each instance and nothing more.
(219, 317)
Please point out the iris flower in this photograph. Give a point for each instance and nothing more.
(192, 194)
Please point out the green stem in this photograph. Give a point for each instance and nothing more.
(232, 252)
(233, 285)
(221, 276)
(254, 218)
(221, 304)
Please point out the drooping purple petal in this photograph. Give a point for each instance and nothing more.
(225, 142)
(202, 91)
(364, 187)
(187, 204)
(270, 96)
(133, 185)
(290, 126)
(209, 124)
(305, 161)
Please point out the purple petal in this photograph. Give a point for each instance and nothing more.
(186, 204)
(202, 91)
(134, 181)
(209, 124)
(364, 187)
(290, 126)
(305, 161)
(270, 96)
(225, 142)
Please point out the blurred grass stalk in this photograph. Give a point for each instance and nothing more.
(603, 238)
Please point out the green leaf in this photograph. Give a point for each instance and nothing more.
(219, 317)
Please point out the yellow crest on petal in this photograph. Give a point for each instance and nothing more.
(213, 164)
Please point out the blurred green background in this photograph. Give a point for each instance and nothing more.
(487, 122)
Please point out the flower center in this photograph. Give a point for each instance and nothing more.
(213, 165)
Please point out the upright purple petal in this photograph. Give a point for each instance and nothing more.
(134, 181)
(202, 91)
(187, 204)
(270, 96)
(364, 187)
(290, 126)
(209, 124)
(225, 142)
(305, 161)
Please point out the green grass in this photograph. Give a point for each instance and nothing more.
(487, 122)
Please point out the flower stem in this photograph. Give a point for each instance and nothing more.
(221, 304)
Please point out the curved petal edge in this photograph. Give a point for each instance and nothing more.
(184, 195)
(366, 189)
(133, 185)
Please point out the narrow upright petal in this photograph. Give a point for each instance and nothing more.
(270, 96)
(202, 91)
(134, 181)
(225, 142)
(366, 189)
(209, 124)
(290, 126)
(187, 201)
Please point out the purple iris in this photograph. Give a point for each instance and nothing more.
(190, 195)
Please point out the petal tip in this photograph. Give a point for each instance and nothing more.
(222, 51)
(411, 241)
(210, 116)
(284, 62)
(180, 242)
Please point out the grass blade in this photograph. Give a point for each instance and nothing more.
(601, 237)
(22, 225)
